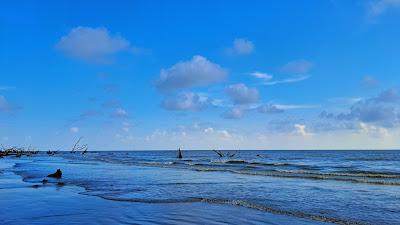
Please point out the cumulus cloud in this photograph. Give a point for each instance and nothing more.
(240, 94)
(373, 130)
(301, 130)
(225, 134)
(222, 133)
(92, 44)
(297, 67)
(382, 110)
(388, 96)
(6, 106)
(241, 46)
(368, 111)
(74, 129)
(209, 130)
(198, 71)
(187, 101)
(378, 7)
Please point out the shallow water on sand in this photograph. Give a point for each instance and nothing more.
(342, 187)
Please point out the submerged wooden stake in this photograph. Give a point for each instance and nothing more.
(179, 154)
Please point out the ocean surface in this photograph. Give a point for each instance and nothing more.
(309, 187)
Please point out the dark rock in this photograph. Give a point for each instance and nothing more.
(44, 181)
(35, 186)
(60, 183)
(57, 174)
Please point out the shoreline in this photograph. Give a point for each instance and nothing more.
(171, 185)
(24, 204)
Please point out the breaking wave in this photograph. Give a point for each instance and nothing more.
(246, 204)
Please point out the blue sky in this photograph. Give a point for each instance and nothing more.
(200, 75)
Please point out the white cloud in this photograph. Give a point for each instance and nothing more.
(225, 134)
(297, 67)
(92, 44)
(382, 110)
(263, 76)
(288, 80)
(373, 130)
(221, 133)
(120, 112)
(378, 7)
(74, 129)
(240, 94)
(209, 130)
(157, 134)
(187, 101)
(301, 130)
(288, 107)
(241, 46)
(196, 72)
(291, 67)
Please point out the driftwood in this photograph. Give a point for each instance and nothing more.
(17, 151)
(83, 148)
(49, 152)
(222, 154)
(57, 174)
(76, 145)
(180, 154)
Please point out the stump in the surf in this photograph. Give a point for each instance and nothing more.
(179, 154)
(57, 174)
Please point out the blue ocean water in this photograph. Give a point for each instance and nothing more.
(341, 187)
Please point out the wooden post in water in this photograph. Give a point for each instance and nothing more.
(179, 154)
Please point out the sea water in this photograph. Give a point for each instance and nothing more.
(341, 187)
